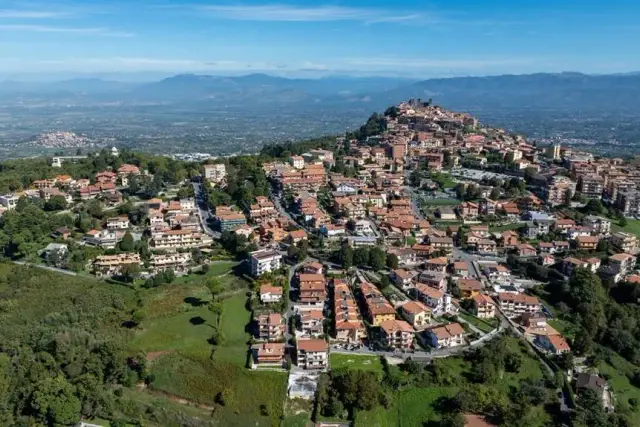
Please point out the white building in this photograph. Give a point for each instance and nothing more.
(175, 239)
(264, 261)
(188, 204)
(118, 223)
(439, 302)
(215, 173)
(177, 261)
(312, 354)
(9, 201)
(297, 162)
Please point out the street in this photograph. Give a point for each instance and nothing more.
(203, 210)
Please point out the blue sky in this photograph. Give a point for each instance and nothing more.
(414, 38)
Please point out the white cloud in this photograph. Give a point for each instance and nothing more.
(30, 14)
(105, 32)
(287, 13)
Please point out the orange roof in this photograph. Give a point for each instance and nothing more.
(393, 326)
(415, 307)
(312, 345)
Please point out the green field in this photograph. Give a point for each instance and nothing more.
(615, 370)
(633, 226)
(501, 228)
(355, 361)
(439, 202)
(485, 325)
(566, 329)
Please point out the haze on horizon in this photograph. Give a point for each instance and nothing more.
(149, 39)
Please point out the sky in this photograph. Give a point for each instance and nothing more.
(410, 38)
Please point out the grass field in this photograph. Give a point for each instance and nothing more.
(485, 326)
(297, 413)
(616, 369)
(439, 202)
(633, 226)
(364, 363)
(567, 329)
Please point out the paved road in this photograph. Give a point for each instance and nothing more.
(46, 267)
(203, 210)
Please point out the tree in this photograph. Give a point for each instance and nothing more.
(623, 222)
(361, 257)
(129, 272)
(346, 256)
(127, 243)
(377, 258)
(392, 261)
(138, 315)
(54, 402)
(589, 412)
(594, 206)
(452, 419)
(56, 203)
(495, 194)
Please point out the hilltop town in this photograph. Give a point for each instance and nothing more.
(424, 252)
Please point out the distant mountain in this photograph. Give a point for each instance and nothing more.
(563, 91)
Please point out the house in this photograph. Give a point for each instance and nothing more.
(496, 272)
(564, 225)
(526, 250)
(446, 214)
(297, 236)
(570, 264)
(435, 280)
(62, 233)
(597, 224)
(446, 336)
(416, 313)
(513, 305)
(105, 239)
(312, 353)
(441, 243)
(118, 223)
(332, 230)
(587, 243)
(396, 334)
(312, 289)
(468, 210)
(509, 238)
(461, 268)
(486, 308)
(264, 261)
(402, 277)
(553, 343)
(621, 264)
(312, 268)
(487, 247)
(311, 322)
(469, 288)
(437, 265)
(270, 294)
(270, 354)
(438, 301)
(587, 381)
(270, 327)
(111, 265)
(55, 250)
(347, 324)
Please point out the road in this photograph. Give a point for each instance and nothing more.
(203, 210)
(46, 267)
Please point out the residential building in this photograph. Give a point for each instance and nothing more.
(378, 309)
(435, 280)
(570, 264)
(270, 294)
(487, 247)
(312, 289)
(176, 261)
(348, 326)
(118, 223)
(438, 301)
(264, 261)
(591, 186)
(441, 243)
(229, 221)
(628, 202)
(485, 306)
(312, 353)
(297, 162)
(625, 242)
(179, 239)
(396, 334)
(311, 322)
(215, 173)
(621, 264)
(111, 265)
(553, 343)
(513, 305)
(416, 313)
(526, 250)
(436, 265)
(106, 239)
(270, 327)
(597, 224)
(402, 277)
(271, 354)
(9, 201)
(559, 190)
(451, 335)
(469, 288)
(587, 243)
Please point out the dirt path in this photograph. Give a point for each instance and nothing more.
(153, 355)
(178, 399)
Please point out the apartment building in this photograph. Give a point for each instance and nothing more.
(118, 223)
(9, 201)
(264, 261)
(378, 309)
(215, 173)
(591, 186)
(106, 239)
(438, 301)
(587, 243)
(557, 191)
(625, 242)
(347, 324)
(451, 335)
(229, 221)
(311, 322)
(517, 304)
(179, 239)
(621, 264)
(312, 353)
(177, 261)
(268, 354)
(416, 313)
(270, 294)
(485, 306)
(270, 327)
(396, 334)
(628, 202)
(597, 224)
(111, 265)
(312, 289)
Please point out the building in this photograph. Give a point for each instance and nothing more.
(625, 242)
(106, 239)
(229, 221)
(451, 335)
(176, 261)
(9, 201)
(486, 308)
(559, 190)
(621, 264)
(347, 324)
(553, 343)
(215, 173)
(270, 294)
(312, 353)
(597, 224)
(311, 322)
(441, 243)
(312, 289)
(179, 239)
(111, 265)
(270, 327)
(487, 247)
(264, 261)
(591, 186)
(297, 162)
(378, 309)
(438, 301)
(513, 305)
(118, 223)
(396, 334)
(402, 277)
(587, 243)
(469, 288)
(416, 313)
(628, 202)
(268, 354)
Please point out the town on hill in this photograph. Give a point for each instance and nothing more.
(425, 269)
